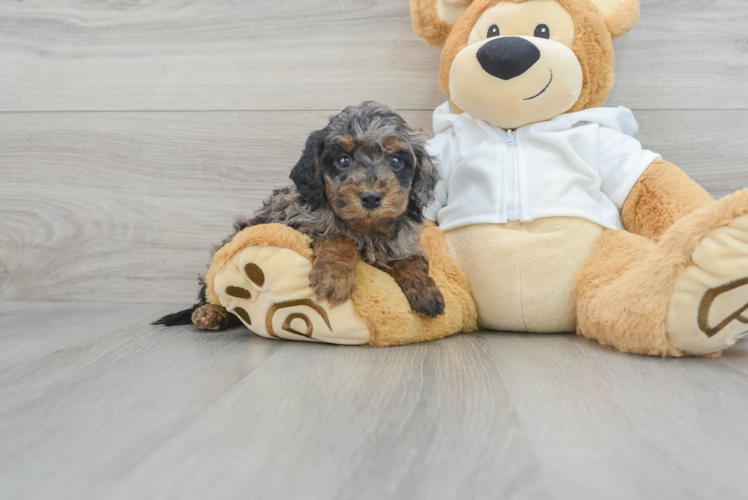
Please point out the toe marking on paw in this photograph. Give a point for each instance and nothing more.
(287, 323)
(255, 274)
(244, 315)
(309, 326)
(238, 292)
(706, 303)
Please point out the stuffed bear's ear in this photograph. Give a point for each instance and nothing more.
(307, 175)
(620, 15)
(433, 19)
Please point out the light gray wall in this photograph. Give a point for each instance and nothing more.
(131, 134)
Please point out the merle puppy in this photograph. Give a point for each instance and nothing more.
(358, 192)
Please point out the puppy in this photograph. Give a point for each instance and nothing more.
(358, 192)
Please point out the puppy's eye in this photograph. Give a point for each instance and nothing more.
(396, 163)
(343, 162)
(542, 31)
(493, 31)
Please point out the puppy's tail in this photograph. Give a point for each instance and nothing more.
(184, 317)
(177, 318)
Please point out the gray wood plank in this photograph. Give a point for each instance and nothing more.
(629, 426)
(252, 418)
(75, 420)
(198, 55)
(56, 326)
(318, 54)
(98, 205)
(424, 421)
(125, 206)
(145, 412)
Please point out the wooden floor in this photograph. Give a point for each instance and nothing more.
(133, 132)
(95, 403)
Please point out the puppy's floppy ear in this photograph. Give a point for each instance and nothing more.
(426, 177)
(433, 19)
(620, 16)
(307, 175)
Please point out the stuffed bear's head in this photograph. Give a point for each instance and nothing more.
(515, 62)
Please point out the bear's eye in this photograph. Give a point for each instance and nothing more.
(542, 31)
(493, 31)
(343, 162)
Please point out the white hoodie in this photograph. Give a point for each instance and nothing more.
(580, 164)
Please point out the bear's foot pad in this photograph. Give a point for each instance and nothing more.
(267, 288)
(709, 310)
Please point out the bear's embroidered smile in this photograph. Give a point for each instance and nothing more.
(542, 91)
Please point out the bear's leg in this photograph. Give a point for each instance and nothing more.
(381, 302)
(263, 277)
(686, 295)
(608, 289)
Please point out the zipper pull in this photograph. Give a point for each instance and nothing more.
(510, 137)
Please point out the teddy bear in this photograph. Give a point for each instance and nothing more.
(550, 217)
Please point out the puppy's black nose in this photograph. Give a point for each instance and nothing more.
(507, 57)
(371, 200)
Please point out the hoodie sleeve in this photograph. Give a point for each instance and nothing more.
(621, 161)
(440, 147)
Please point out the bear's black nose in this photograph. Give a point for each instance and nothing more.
(371, 200)
(507, 57)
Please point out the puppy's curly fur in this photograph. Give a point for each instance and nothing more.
(358, 192)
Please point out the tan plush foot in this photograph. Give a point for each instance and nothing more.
(262, 276)
(267, 288)
(709, 309)
(686, 295)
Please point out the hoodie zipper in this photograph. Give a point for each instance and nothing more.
(513, 202)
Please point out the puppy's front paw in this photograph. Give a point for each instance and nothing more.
(331, 280)
(211, 317)
(426, 299)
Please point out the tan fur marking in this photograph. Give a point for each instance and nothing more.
(343, 199)
(348, 143)
(333, 274)
(372, 225)
(392, 145)
(395, 200)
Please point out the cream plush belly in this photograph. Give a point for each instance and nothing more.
(521, 273)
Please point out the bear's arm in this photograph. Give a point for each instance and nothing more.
(662, 195)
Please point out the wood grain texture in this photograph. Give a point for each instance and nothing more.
(128, 410)
(125, 206)
(318, 54)
(206, 106)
